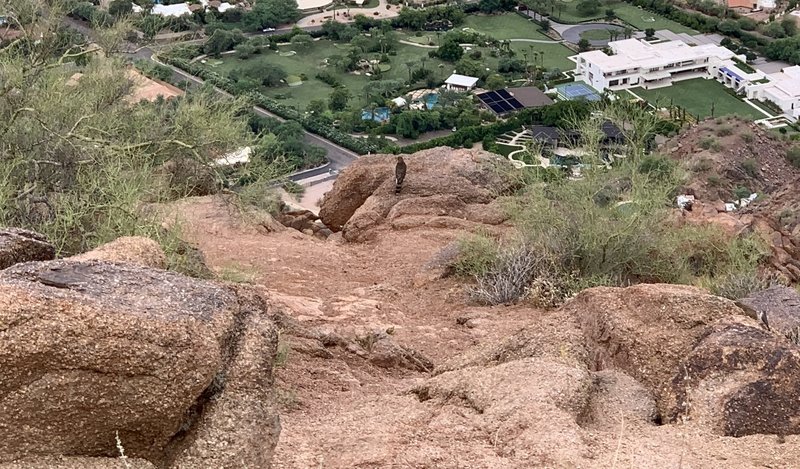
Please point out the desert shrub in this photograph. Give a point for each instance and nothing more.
(736, 285)
(714, 180)
(658, 166)
(724, 131)
(747, 137)
(741, 192)
(793, 155)
(750, 167)
(475, 255)
(702, 165)
(710, 143)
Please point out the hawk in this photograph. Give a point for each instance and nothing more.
(399, 174)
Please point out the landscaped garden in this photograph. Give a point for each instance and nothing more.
(505, 26)
(643, 19)
(699, 97)
(571, 11)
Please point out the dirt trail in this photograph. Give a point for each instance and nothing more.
(340, 411)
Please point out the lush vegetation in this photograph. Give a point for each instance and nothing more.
(613, 226)
(81, 161)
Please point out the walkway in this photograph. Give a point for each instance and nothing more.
(382, 12)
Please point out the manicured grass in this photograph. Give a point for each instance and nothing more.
(311, 61)
(636, 17)
(555, 55)
(505, 26)
(596, 35)
(566, 12)
(697, 96)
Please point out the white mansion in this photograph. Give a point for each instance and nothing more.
(638, 63)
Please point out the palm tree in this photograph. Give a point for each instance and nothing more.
(410, 66)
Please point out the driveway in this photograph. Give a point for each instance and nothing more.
(382, 12)
(573, 33)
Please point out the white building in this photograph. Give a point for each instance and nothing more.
(458, 82)
(640, 63)
(782, 89)
(180, 9)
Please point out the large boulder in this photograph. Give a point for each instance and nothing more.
(781, 306)
(646, 330)
(129, 249)
(739, 380)
(91, 350)
(18, 245)
(441, 183)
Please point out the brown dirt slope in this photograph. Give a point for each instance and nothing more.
(512, 387)
(726, 155)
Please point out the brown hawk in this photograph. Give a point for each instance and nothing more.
(399, 174)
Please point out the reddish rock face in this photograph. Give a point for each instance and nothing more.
(18, 245)
(441, 185)
(739, 380)
(89, 350)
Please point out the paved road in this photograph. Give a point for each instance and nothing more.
(573, 34)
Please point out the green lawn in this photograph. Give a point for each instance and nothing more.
(505, 26)
(697, 96)
(596, 35)
(310, 61)
(555, 55)
(638, 17)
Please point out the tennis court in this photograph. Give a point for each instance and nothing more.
(577, 90)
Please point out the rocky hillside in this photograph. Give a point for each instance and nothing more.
(370, 356)
(727, 159)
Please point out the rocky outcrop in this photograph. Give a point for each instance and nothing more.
(645, 330)
(444, 187)
(304, 221)
(129, 249)
(18, 245)
(739, 380)
(781, 306)
(179, 368)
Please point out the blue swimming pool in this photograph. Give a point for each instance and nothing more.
(379, 114)
(431, 99)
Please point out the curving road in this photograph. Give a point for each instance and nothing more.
(573, 34)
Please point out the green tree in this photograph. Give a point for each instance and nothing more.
(222, 41)
(450, 51)
(495, 82)
(584, 45)
(317, 107)
(271, 13)
(301, 41)
(338, 99)
(588, 7)
(120, 8)
(610, 14)
(649, 33)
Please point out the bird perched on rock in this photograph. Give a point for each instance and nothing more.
(760, 316)
(399, 174)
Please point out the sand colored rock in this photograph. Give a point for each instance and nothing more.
(129, 249)
(446, 184)
(18, 245)
(91, 348)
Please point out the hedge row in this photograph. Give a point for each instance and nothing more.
(311, 124)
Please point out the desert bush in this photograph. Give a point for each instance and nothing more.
(475, 255)
(748, 137)
(724, 131)
(701, 165)
(750, 167)
(714, 180)
(737, 285)
(710, 143)
(741, 192)
(793, 155)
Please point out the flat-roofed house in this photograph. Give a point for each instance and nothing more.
(633, 62)
(782, 89)
(458, 82)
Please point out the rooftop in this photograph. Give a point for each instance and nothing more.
(630, 53)
(461, 80)
(786, 82)
(530, 96)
